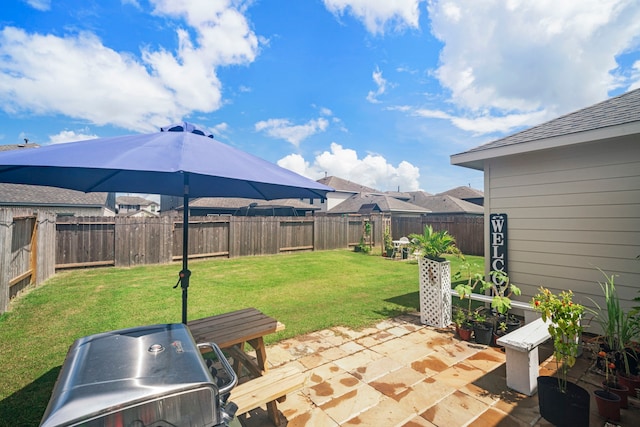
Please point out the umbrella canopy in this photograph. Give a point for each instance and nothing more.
(181, 160)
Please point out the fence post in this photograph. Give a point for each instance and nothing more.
(46, 246)
(6, 234)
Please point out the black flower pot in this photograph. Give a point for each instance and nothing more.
(483, 332)
(563, 409)
(513, 324)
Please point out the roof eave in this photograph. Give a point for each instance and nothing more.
(474, 159)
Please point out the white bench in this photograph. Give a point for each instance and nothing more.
(529, 314)
(521, 349)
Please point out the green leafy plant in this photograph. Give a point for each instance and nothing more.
(502, 292)
(502, 327)
(479, 316)
(565, 328)
(387, 242)
(460, 317)
(362, 246)
(618, 325)
(433, 244)
(465, 290)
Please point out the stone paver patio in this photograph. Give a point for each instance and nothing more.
(401, 373)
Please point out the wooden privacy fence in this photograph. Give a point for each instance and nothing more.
(126, 241)
(26, 247)
(467, 229)
(32, 246)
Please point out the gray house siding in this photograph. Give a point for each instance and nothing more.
(571, 210)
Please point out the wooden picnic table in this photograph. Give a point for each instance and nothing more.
(230, 331)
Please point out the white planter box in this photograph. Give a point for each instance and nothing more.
(435, 292)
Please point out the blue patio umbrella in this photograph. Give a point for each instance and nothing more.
(180, 160)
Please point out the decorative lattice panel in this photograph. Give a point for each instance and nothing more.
(435, 293)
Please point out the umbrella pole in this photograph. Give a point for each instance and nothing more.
(185, 273)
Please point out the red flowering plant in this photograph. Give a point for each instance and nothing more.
(564, 327)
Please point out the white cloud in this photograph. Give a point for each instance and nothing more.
(133, 3)
(377, 15)
(50, 74)
(481, 123)
(381, 85)
(71, 136)
(295, 134)
(543, 58)
(373, 170)
(42, 5)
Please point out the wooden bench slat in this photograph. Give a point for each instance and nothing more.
(277, 383)
(233, 328)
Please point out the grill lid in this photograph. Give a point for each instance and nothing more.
(115, 369)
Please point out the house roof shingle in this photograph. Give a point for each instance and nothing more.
(384, 202)
(134, 201)
(463, 193)
(238, 202)
(614, 111)
(614, 117)
(444, 203)
(340, 184)
(37, 195)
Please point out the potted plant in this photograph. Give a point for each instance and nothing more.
(434, 275)
(464, 290)
(562, 402)
(502, 290)
(462, 323)
(612, 396)
(617, 333)
(433, 244)
(500, 331)
(482, 329)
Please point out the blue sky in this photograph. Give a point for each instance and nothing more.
(379, 92)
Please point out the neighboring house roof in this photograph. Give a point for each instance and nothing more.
(343, 185)
(399, 195)
(417, 197)
(238, 202)
(36, 195)
(444, 203)
(367, 203)
(134, 201)
(8, 147)
(140, 214)
(618, 116)
(463, 193)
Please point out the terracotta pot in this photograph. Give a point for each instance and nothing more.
(464, 333)
(632, 381)
(608, 404)
(619, 389)
(496, 337)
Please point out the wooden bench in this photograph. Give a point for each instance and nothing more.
(521, 349)
(230, 331)
(272, 386)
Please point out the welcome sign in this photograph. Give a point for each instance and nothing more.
(498, 239)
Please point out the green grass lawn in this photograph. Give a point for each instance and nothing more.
(306, 291)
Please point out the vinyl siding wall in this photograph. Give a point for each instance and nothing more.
(570, 211)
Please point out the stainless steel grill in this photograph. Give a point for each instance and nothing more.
(143, 376)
